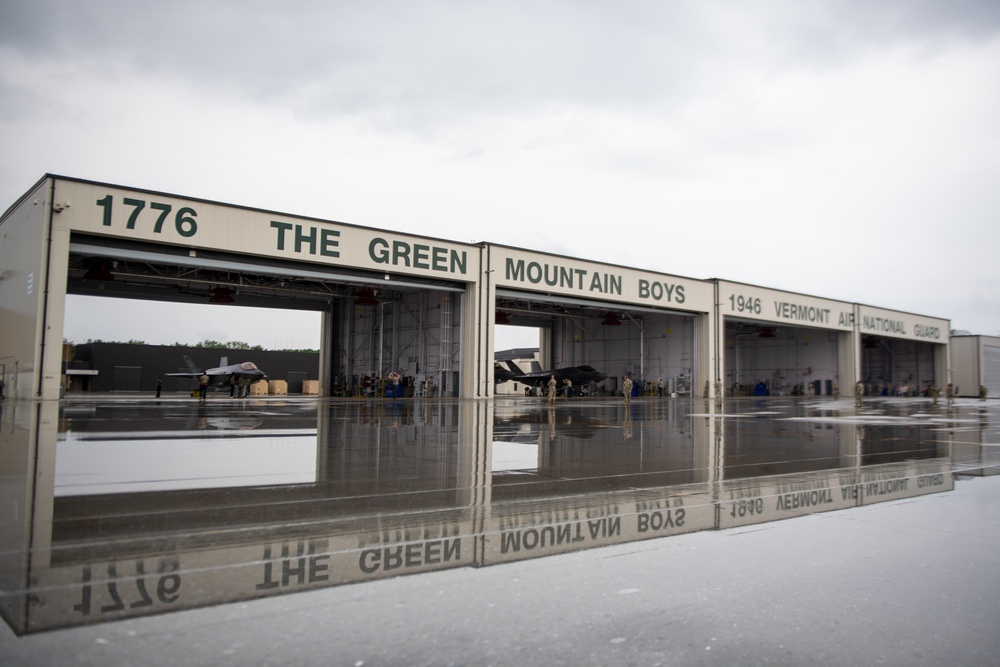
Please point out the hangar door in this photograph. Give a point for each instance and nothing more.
(408, 326)
(895, 367)
(647, 344)
(768, 360)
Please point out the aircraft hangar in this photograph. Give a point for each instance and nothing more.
(389, 301)
(428, 307)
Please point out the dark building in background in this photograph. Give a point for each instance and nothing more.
(108, 367)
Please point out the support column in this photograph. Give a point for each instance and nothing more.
(52, 282)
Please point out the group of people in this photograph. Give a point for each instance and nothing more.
(553, 385)
(655, 387)
(933, 391)
(238, 387)
(397, 381)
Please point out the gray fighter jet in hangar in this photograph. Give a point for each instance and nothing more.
(222, 373)
(578, 375)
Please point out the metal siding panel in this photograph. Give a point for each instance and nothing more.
(991, 369)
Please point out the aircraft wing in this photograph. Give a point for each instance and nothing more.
(246, 369)
(210, 372)
(578, 375)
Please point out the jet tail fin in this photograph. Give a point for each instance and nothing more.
(536, 367)
(513, 367)
(223, 362)
(190, 364)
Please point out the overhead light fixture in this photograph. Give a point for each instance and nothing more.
(766, 332)
(222, 295)
(99, 270)
(365, 297)
(611, 320)
(501, 318)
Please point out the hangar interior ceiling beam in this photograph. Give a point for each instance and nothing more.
(742, 327)
(526, 307)
(112, 268)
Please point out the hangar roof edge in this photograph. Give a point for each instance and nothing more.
(19, 200)
(776, 289)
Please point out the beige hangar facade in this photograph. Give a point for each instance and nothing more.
(427, 307)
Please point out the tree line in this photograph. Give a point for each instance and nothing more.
(210, 344)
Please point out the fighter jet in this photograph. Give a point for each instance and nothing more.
(578, 375)
(223, 372)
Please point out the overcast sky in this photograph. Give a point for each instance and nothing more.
(846, 149)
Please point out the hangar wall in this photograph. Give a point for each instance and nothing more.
(975, 363)
(646, 346)
(419, 336)
(697, 335)
(32, 293)
(21, 279)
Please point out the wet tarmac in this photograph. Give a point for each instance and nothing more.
(289, 531)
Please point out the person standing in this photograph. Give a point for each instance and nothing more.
(232, 386)
(394, 383)
(569, 387)
(159, 386)
(203, 387)
(627, 389)
(552, 389)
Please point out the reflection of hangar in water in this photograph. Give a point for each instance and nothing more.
(125, 508)
(427, 308)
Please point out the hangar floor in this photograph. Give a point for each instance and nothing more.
(674, 531)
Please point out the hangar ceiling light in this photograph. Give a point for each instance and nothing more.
(222, 295)
(98, 269)
(365, 297)
(611, 320)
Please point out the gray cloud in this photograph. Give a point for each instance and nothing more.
(424, 67)
(651, 114)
